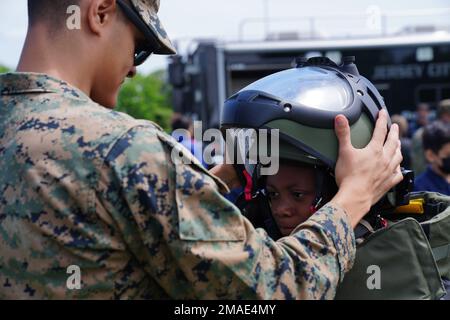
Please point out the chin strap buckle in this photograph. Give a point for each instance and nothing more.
(316, 205)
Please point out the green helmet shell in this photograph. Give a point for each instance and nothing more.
(322, 140)
(302, 104)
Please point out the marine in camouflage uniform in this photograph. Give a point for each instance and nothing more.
(83, 185)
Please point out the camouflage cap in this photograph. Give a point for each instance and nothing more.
(148, 10)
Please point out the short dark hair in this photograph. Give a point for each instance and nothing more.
(181, 123)
(50, 11)
(435, 136)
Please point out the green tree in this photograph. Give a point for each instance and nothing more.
(147, 97)
(3, 69)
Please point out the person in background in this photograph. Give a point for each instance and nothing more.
(405, 140)
(422, 118)
(418, 160)
(443, 111)
(436, 143)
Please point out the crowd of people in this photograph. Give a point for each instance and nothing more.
(426, 146)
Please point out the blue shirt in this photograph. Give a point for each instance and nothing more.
(234, 194)
(431, 181)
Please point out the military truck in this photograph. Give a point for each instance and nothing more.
(407, 69)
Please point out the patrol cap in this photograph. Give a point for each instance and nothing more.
(148, 11)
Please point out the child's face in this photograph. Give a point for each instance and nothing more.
(291, 192)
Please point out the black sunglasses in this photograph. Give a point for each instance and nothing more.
(141, 52)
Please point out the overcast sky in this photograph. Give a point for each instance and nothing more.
(192, 19)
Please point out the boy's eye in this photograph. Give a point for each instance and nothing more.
(272, 194)
(298, 195)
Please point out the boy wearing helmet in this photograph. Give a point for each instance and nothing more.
(293, 194)
(301, 103)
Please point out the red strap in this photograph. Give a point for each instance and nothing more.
(248, 185)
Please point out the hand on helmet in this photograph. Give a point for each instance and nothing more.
(227, 173)
(365, 175)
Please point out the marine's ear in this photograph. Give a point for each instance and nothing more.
(100, 13)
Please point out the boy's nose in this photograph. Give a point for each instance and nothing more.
(285, 210)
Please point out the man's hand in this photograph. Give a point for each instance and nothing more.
(365, 175)
(227, 174)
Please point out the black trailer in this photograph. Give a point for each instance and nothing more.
(406, 70)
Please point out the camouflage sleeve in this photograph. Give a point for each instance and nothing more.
(195, 244)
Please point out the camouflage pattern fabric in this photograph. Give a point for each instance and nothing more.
(148, 11)
(84, 185)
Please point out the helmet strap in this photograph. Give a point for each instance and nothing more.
(248, 180)
(320, 179)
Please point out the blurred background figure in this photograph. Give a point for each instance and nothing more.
(422, 118)
(443, 111)
(418, 159)
(406, 141)
(186, 136)
(436, 143)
